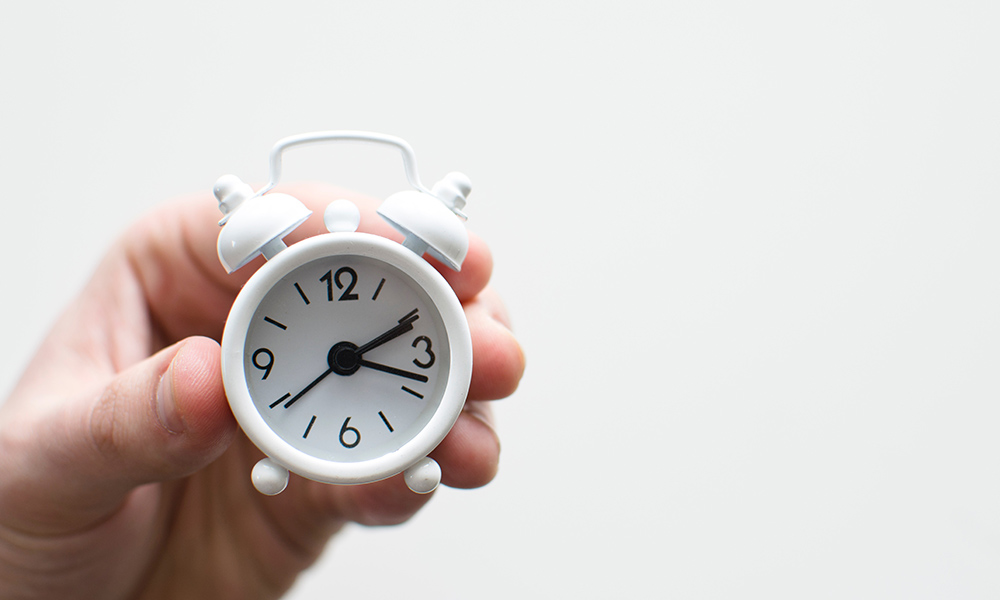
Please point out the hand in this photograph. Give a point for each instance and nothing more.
(122, 470)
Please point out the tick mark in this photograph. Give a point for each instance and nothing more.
(275, 323)
(386, 421)
(279, 401)
(379, 289)
(409, 391)
(301, 293)
(309, 427)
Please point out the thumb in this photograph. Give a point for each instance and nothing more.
(161, 419)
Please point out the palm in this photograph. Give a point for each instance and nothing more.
(199, 515)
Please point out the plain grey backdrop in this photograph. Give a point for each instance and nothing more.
(750, 249)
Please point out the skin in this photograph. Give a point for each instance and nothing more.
(122, 471)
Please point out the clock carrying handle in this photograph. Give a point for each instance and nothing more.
(409, 159)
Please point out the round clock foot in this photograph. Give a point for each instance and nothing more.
(269, 477)
(423, 477)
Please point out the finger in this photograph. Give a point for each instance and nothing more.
(497, 358)
(161, 419)
(470, 454)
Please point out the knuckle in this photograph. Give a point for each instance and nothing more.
(104, 424)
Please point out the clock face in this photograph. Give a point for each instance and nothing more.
(346, 358)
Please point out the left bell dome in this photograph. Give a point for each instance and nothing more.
(254, 223)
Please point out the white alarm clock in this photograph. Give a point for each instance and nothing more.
(346, 358)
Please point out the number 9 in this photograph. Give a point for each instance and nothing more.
(266, 367)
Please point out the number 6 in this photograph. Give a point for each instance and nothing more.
(345, 429)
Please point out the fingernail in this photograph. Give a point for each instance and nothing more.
(166, 405)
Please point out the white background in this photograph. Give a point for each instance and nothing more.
(750, 248)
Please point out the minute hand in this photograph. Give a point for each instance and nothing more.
(309, 387)
(405, 324)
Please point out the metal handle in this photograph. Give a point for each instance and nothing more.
(409, 160)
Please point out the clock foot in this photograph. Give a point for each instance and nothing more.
(269, 477)
(424, 476)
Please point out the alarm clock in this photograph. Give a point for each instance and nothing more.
(346, 357)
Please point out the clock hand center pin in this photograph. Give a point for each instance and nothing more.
(344, 358)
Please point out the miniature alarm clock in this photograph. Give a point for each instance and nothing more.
(346, 357)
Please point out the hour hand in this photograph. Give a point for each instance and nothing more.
(393, 370)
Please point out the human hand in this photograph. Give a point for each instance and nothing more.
(122, 471)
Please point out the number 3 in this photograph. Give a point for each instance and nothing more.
(427, 349)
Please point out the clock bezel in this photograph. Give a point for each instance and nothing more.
(459, 353)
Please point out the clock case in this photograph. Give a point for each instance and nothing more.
(431, 221)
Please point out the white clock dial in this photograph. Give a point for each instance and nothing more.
(346, 358)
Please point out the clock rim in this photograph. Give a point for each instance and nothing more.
(441, 296)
